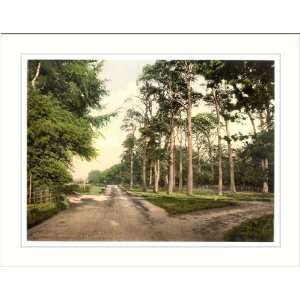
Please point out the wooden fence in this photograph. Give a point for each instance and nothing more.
(40, 196)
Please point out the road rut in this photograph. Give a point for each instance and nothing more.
(117, 216)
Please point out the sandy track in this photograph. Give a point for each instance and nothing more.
(117, 216)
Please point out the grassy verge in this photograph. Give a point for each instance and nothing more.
(39, 212)
(242, 196)
(228, 196)
(255, 230)
(179, 203)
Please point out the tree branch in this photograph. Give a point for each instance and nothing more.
(36, 75)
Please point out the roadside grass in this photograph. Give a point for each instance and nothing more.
(39, 212)
(254, 230)
(210, 195)
(246, 196)
(180, 203)
(177, 203)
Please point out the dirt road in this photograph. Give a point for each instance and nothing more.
(116, 216)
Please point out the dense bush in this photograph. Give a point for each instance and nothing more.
(63, 202)
(70, 188)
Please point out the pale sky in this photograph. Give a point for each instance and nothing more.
(122, 76)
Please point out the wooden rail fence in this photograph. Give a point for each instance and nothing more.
(40, 196)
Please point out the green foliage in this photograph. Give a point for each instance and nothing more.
(248, 167)
(63, 202)
(204, 123)
(96, 190)
(94, 177)
(236, 89)
(113, 175)
(253, 230)
(59, 121)
(37, 213)
(70, 188)
(74, 83)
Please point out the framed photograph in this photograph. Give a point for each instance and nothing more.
(154, 150)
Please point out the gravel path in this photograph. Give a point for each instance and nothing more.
(116, 216)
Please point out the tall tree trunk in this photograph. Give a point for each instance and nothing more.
(174, 164)
(264, 162)
(231, 162)
(199, 167)
(144, 160)
(190, 143)
(212, 171)
(180, 164)
(131, 169)
(262, 122)
(156, 175)
(33, 86)
(220, 181)
(171, 164)
(252, 123)
(150, 174)
(30, 188)
(36, 75)
(265, 188)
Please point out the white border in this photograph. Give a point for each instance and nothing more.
(135, 56)
(286, 254)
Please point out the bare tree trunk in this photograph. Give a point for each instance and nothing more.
(144, 160)
(262, 123)
(36, 75)
(264, 166)
(252, 123)
(174, 164)
(33, 86)
(199, 168)
(131, 169)
(150, 174)
(180, 164)
(156, 175)
(220, 182)
(30, 188)
(210, 157)
(265, 184)
(171, 165)
(190, 143)
(264, 162)
(231, 162)
(166, 180)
